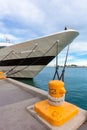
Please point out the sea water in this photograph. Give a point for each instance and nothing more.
(75, 83)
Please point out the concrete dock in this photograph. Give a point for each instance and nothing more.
(16, 97)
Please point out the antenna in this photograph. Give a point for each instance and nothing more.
(7, 39)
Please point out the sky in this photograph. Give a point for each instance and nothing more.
(22, 20)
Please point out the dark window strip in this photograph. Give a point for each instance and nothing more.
(28, 61)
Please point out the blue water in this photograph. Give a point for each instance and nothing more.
(75, 84)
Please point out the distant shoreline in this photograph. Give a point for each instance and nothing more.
(70, 66)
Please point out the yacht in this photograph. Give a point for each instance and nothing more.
(27, 59)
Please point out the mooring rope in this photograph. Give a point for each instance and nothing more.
(33, 62)
(7, 73)
(60, 77)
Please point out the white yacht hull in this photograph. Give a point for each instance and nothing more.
(26, 60)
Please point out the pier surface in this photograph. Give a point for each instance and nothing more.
(15, 97)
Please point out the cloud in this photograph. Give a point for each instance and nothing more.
(7, 38)
(24, 11)
(44, 16)
(77, 54)
(26, 19)
(21, 19)
(80, 48)
(2, 27)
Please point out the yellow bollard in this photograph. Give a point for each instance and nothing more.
(56, 88)
(56, 93)
(2, 76)
(55, 110)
